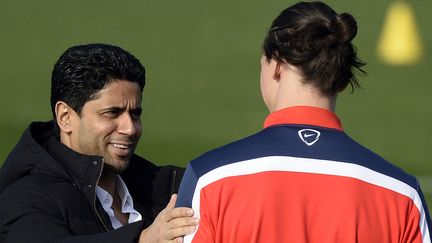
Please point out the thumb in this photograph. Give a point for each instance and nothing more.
(172, 202)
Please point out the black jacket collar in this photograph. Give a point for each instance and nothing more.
(84, 170)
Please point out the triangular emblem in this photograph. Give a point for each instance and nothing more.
(309, 136)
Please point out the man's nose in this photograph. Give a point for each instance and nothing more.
(127, 125)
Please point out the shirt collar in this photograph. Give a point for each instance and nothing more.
(127, 201)
(304, 115)
(126, 198)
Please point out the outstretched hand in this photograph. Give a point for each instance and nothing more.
(170, 225)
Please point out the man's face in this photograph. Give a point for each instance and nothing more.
(110, 125)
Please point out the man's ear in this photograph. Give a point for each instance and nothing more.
(277, 72)
(64, 115)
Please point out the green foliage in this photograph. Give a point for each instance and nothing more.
(202, 59)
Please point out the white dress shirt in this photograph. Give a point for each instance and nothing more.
(127, 203)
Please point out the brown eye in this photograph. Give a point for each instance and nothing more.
(111, 113)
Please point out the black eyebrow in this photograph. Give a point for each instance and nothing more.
(113, 108)
(121, 109)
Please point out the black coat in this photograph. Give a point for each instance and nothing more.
(47, 192)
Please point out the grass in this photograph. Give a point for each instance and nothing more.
(202, 60)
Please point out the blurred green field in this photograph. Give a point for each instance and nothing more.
(202, 61)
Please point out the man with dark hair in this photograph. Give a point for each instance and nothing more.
(301, 178)
(76, 178)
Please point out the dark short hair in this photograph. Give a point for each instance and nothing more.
(315, 39)
(83, 70)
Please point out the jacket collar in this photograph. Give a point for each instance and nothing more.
(84, 169)
(304, 115)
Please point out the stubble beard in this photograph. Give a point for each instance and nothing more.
(112, 167)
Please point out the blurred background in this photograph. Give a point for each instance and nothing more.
(202, 61)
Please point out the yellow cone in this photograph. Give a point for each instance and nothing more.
(399, 42)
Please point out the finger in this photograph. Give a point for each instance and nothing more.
(179, 213)
(182, 222)
(170, 212)
(181, 231)
(171, 203)
(178, 240)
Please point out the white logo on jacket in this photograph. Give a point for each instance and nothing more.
(309, 136)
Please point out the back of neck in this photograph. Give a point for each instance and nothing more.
(293, 91)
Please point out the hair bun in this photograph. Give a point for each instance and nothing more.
(344, 27)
